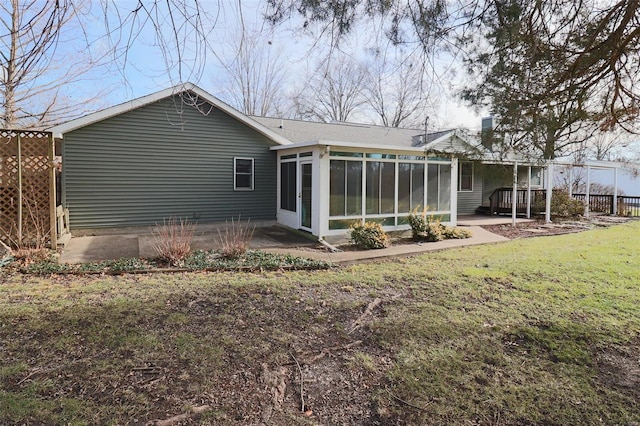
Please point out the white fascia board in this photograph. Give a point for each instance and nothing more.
(295, 145)
(59, 130)
(354, 145)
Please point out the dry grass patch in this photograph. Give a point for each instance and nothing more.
(503, 334)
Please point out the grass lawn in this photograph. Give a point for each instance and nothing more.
(538, 331)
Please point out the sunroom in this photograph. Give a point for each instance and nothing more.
(325, 186)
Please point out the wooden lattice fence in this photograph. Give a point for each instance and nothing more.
(27, 188)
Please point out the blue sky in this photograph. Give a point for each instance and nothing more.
(146, 71)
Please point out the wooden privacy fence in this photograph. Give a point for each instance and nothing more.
(27, 188)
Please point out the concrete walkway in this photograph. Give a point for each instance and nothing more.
(480, 236)
(110, 247)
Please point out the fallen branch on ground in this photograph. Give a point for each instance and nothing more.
(180, 417)
(301, 383)
(361, 319)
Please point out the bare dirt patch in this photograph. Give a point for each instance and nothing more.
(619, 367)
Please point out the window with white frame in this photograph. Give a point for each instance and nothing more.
(243, 174)
(465, 180)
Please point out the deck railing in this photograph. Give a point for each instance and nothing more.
(500, 202)
(628, 206)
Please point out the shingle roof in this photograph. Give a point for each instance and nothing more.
(184, 88)
(298, 131)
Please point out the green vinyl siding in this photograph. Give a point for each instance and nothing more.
(165, 159)
(469, 201)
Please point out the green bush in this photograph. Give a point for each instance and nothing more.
(369, 235)
(456, 233)
(425, 227)
(562, 205)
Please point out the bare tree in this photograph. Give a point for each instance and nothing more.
(395, 90)
(46, 47)
(589, 48)
(180, 30)
(333, 91)
(256, 75)
(39, 60)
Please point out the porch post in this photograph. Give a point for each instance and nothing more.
(453, 204)
(20, 188)
(514, 194)
(52, 192)
(529, 192)
(615, 192)
(321, 189)
(570, 181)
(587, 192)
(547, 212)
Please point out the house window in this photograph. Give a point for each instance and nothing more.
(288, 181)
(536, 176)
(243, 174)
(465, 181)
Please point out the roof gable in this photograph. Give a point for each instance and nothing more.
(59, 130)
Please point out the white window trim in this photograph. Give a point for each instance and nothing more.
(460, 176)
(253, 165)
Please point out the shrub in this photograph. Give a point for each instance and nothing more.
(234, 240)
(34, 232)
(172, 240)
(562, 205)
(456, 233)
(425, 227)
(369, 235)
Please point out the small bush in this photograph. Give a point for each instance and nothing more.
(234, 240)
(369, 235)
(172, 240)
(562, 205)
(456, 233)
(27, 256)
(34, 233)
(426, 227)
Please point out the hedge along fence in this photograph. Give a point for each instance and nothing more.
(27, 189)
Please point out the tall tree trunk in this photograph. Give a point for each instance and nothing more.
(9, 103)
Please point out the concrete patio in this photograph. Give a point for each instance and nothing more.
(275, 239)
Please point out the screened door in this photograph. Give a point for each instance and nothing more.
(305, 198)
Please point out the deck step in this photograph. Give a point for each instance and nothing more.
(485, 210)
(63, 240)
